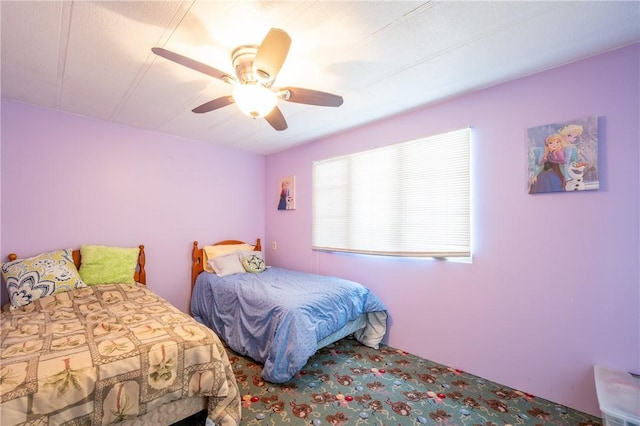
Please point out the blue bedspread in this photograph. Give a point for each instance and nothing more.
(278, 316)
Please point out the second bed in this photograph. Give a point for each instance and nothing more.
(276, 316)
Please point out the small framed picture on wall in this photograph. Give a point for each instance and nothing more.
(287, 193)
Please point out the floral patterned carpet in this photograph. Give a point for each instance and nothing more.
(350, 384)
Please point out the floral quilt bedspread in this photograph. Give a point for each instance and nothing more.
(103, 354)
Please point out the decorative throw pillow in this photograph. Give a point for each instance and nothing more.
(227, 265)
(108, 265)
(253, 263)
(209, 252)
(39, 276)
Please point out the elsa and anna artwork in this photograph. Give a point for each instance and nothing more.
(563, 157)
(286, 199)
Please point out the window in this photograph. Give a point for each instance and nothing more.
(406, 199)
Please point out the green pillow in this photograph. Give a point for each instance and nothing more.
(108, 265)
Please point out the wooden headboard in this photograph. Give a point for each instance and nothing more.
(197, 256)
(140, 275)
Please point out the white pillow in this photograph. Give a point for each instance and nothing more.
(227, 265)
(210, 252)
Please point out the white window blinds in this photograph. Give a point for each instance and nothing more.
(406, 199)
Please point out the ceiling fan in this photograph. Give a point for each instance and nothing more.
(256, 69)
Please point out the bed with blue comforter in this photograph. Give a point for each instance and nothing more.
(280, 317)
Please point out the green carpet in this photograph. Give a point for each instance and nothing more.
(350, 384)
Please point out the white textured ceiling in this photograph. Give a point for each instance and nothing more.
(383, 57)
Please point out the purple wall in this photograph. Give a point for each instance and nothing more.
(69, 180)
(554, 284)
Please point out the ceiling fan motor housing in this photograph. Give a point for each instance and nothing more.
(242, 59)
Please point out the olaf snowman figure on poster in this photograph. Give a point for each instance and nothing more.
(576, 181)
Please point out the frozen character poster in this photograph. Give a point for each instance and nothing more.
(286, 191)
(563, 157)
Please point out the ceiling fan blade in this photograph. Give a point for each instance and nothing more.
(271, 54)
(214, 104)
(276, 119)
(310, 97)
(194, 65)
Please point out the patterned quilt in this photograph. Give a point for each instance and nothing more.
(103, 354)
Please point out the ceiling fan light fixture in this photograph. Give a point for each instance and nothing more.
(256, 68)
(255, 100)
